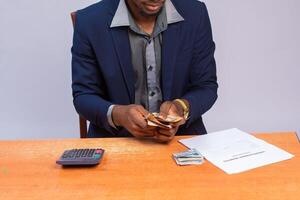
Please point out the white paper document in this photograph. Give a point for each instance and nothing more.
(235, 151)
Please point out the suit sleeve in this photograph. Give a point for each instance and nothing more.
(89, 90)
(202, 92)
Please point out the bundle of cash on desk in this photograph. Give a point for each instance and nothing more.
(156, 120)
(189, 157)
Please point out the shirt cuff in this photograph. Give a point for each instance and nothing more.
(109, 117)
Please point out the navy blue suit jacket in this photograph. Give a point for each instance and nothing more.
(102, 72)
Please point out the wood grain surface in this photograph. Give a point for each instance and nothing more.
(139, 169)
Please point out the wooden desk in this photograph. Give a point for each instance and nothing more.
(133, 169)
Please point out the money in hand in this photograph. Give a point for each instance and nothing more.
(156, 120)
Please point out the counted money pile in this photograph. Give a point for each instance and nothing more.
(189, 157)
(156, 120)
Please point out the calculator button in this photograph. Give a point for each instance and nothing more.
(81, 152)
(97, 156)
(72, 154)
(78, 152)
(98, 151)
(84, 154)
(91, 152)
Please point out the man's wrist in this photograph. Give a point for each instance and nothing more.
(116, 115)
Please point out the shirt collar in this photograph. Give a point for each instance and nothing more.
(121, 17)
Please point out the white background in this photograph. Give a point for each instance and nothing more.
(258, 58)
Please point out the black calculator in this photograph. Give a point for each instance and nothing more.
(81, 157)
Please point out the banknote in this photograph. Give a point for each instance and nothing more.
(156, 120)
(192, 153)
(194, 162)
(189, 157)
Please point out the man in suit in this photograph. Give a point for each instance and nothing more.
(132, 57)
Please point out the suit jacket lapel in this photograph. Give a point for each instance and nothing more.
(169, 53)
(122, 47)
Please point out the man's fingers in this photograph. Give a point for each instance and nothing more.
(169, 132)
(163, 138)
(137, 117)
(139, 121)
(177, 124)
(164, 109)
(145, 132)
(142, 110)
(142, 134)
(169, 108)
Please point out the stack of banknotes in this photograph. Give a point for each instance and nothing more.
(156, 120)
(189, 157)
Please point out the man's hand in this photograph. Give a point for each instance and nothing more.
(174, 109)
(132, 117)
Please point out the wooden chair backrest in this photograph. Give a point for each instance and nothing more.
(82, 121)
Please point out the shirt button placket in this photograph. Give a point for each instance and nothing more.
(151, 76)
